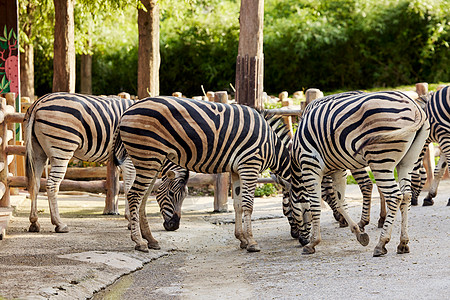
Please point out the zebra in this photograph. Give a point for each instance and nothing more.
(60, 126)
(360, 175)
(437, 108)
(382, 130)
(204, 137)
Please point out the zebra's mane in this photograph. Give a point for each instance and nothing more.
(278, 126)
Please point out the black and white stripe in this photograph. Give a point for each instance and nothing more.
(203, 137)
(60, 126)
(383, 130)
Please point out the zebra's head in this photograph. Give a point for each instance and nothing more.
(170, 197)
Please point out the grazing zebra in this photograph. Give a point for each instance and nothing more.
(360, 175)
(437, 108)
(383, 130)
(203, 137)
(60, 126)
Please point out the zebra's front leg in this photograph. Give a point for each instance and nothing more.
(237, 203)
(56, 175)
(143, 222)
(134, 202)
(339, 182)
(313, 189)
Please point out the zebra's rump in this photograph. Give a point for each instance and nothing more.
(74, 122)
(339, 130)
(438, 110)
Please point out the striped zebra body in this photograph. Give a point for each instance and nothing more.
(203, 137)
(360, 176)
(437, 109)
(60, 126)
(381, 130)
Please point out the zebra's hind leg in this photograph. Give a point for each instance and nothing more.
(339, 182)
(237, 203)
(248, 185)
(365, 185)
(383, 212)
(57, 171)
(34, 182)
(438, 173)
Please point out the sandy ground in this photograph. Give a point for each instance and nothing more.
(202, 259)
(207, 263)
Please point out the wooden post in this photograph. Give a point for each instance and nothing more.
(285, 103)
(5, 200)
(112, 190)
(311, 94)
(222, 182)
(210, 96)
(250, 59)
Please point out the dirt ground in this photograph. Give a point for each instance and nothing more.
(207, 264)
(202, 259)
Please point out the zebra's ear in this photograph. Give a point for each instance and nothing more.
(171, 174)
(281, 181)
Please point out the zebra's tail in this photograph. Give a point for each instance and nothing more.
(419, 120)
(118, 151)
(29, 160)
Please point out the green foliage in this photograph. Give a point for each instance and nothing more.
(267, 189)
(340, 44)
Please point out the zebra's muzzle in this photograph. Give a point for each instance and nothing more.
(173, 224)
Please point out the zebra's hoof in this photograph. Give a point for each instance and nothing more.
(363, 239)
(303, 241)
(61, 229)
(141, 247)
(295, 233)
(379, 251)
(448, 203)
(243, 245)
(402, 248)
(154, 246)
(308, 250)
(253, 248)
(428, 202)
(414, 201)
(129, 226)
(34, 227)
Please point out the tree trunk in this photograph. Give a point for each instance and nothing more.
(148, 55)
(86, 74)
(27, 58)
(250, 60)
(64, 47)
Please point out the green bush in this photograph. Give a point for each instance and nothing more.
(340, 44)
(267, 189)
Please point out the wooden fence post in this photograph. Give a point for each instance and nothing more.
(112, 190)
(311, 94)
(285, 103)
(5, 199)
(222, 182)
